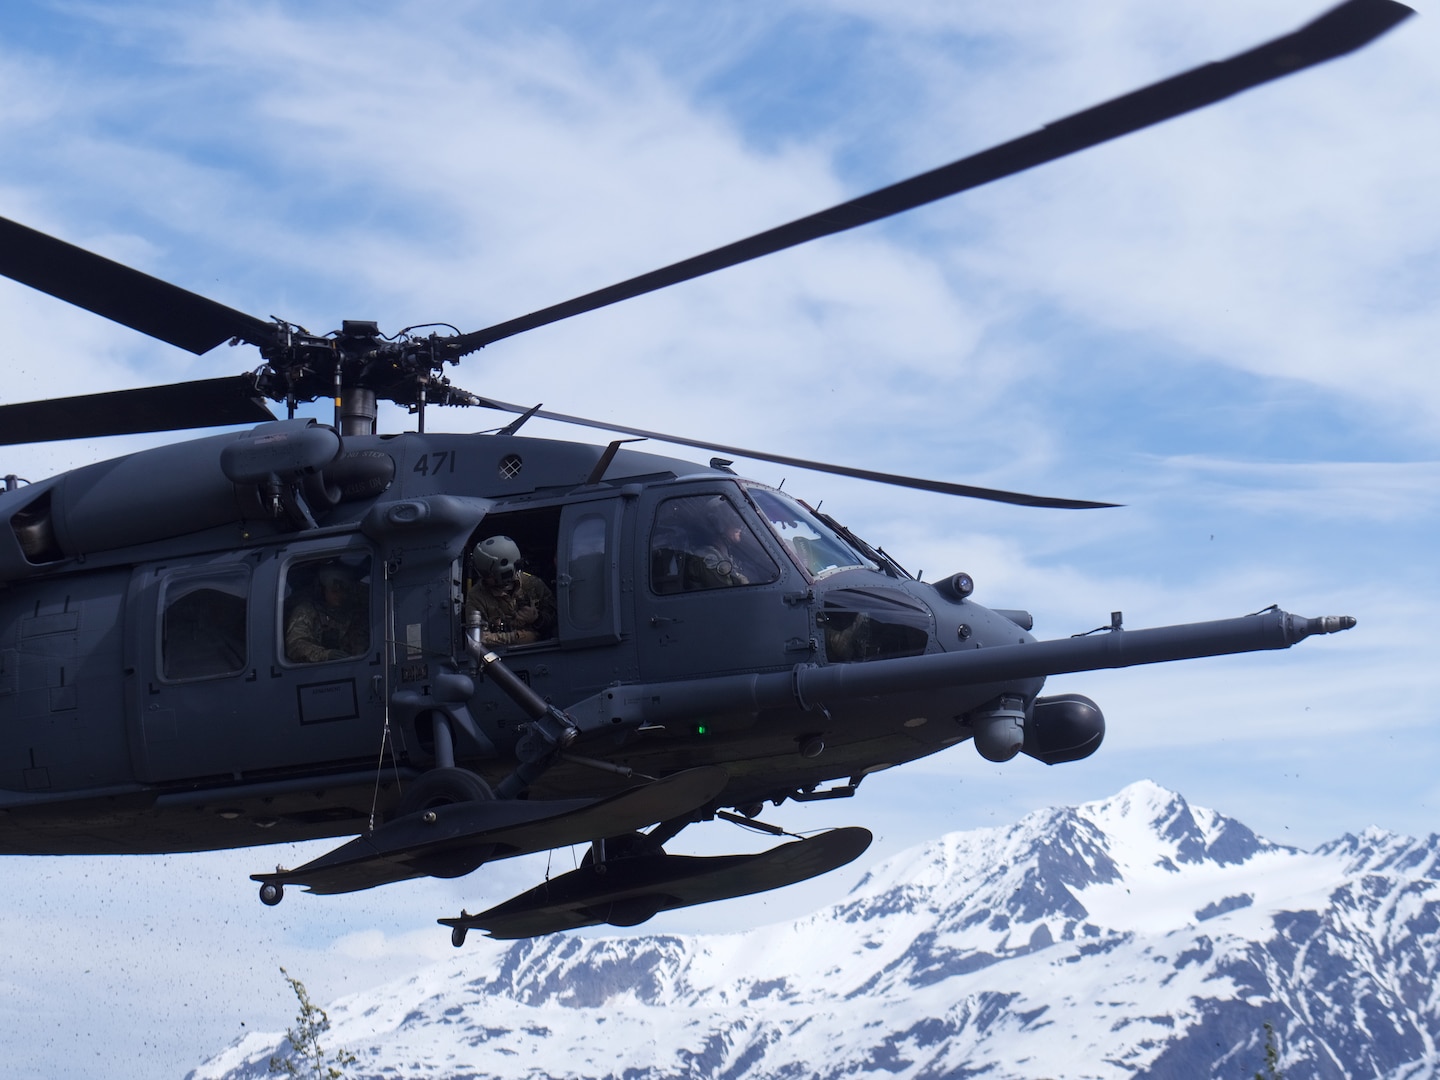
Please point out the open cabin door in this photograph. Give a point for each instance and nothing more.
(575, 548)
(245, 667)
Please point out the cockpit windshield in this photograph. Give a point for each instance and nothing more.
(817, 547)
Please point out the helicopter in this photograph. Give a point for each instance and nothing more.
(716, 644)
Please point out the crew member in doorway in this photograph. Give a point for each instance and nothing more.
(512, 607)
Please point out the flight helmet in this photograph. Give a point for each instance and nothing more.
(497, 559)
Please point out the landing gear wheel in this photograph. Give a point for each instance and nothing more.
(271, 893)
(457, 936)
(443, 787)
(448, 786)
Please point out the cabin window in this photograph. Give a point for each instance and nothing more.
(203, 625)
(587, 594)
(873, 624)
(702, 542)
(327, 609)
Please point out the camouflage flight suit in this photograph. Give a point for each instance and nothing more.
(712, 567)
(523, 614)
(319, 632)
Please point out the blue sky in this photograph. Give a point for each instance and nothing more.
(1226, 323)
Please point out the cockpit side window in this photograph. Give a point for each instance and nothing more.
(702, 542)
(817, 547)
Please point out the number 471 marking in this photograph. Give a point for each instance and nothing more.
(438, 462)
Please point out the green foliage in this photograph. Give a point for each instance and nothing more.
(1271, 1071)
(307, 1058)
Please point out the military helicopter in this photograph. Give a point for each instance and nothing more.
(281, 633)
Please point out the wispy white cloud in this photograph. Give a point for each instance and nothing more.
(1224, 322)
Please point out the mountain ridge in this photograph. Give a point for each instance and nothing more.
(1130, 936)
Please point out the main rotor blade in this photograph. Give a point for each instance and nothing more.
(123, 295)
(1339, 31)
(204, 403)
(943, 487)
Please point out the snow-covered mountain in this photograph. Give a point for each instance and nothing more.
(1136, 936)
